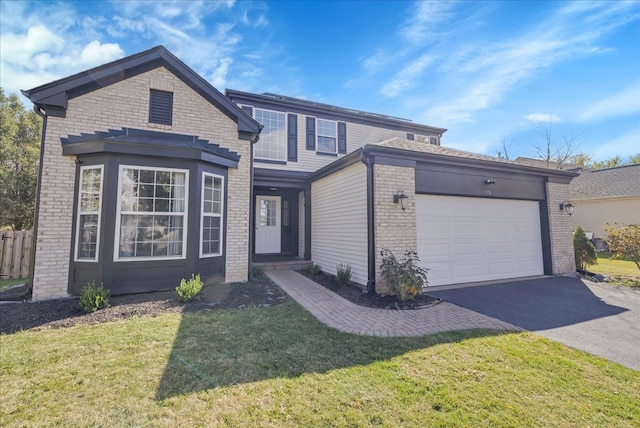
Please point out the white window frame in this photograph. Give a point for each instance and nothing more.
(116, 246)
(220, 215)
(286, 135)
(318, 135)
(81, 213)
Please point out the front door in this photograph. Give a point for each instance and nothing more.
(267, 224)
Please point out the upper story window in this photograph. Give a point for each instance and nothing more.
(327, 135)
(152, 207)
(272, 144)
(161, 107)
(89, 207)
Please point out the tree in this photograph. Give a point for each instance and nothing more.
(584, 250)
(19, 153)
(585, 161)
(624, 241)
(558, 145)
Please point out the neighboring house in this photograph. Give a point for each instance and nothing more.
(149, 174)
(601, 196)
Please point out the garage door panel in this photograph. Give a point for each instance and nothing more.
(474, 239)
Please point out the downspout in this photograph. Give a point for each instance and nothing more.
(371, 240)
(251, 208)
(36, 211)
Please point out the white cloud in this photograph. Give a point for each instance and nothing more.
(543, 118)
(405, 79)
(623, 103)
(481, 79)
(426, 17)
(96, 53)
(219, 77)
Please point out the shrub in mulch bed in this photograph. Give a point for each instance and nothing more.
(356, 294)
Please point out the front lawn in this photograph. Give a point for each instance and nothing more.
(279, 366)
(623, 272)
(6, 283)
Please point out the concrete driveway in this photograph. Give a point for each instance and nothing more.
(601, 319)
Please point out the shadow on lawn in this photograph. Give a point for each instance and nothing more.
(220, 348)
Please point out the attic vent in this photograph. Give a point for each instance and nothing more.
(161, 107)
(434, 141)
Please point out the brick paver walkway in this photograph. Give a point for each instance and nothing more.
(339, 313)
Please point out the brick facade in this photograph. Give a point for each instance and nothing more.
(126, 104)
(560, 230)
(395, 229)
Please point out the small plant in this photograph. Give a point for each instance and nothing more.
(256, 272)
(404, 278)
(314, 269)
(188, 290)
(94, 298)
(343, 274)
(585, 252)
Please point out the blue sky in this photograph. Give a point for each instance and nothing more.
(489, 71)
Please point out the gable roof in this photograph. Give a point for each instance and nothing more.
(313, 108)
(620, 181)
(51, 98)
(541, 163)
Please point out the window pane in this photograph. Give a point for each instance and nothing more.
(88, 230)
(326, 144)
(88, 213)
(273, 138)
(211, 215)
(161, 196)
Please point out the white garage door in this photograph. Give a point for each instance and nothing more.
(475, 239)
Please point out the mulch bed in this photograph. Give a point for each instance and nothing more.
(355, 294)
(66, 312)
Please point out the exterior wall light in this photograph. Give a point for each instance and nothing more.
(567, 206)
(400, 197)
(490, 181)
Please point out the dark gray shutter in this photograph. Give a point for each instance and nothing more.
(342, 137)
(311, 133)
(248, 110)
(292, 137)
(160, 107)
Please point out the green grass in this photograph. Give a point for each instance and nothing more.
(623, 272)
(279, 366)
(6, 283)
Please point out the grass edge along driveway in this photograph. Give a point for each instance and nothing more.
(279, 366)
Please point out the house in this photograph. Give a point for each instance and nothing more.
(149, 174)
(610, 195)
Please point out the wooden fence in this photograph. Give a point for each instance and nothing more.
(15, 253)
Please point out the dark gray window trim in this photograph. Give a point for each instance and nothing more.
(273, 162)
(311, 133)
(160, 107)
(292, 137)
(342, 138)
(335, 155)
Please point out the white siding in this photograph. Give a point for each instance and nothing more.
(357, 136)
(301, 229)
(339, 221)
